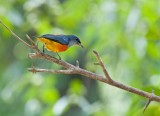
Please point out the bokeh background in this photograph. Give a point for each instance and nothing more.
(126, 33)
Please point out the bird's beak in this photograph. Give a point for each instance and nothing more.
(81, 45)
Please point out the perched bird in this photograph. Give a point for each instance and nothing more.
(59, 43)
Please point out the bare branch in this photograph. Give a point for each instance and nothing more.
(32, 42)
(51, 59)
(34, 46)
(102, 66)
(148, 102)
(95, 77)
(51, 71)
(17, 37)
(71, 69)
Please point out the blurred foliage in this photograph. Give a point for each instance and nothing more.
(125, 33)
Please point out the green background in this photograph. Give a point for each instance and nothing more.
(126, 33)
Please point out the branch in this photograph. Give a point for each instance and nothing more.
(89, 74)
(51, 71)
(34, 46)
(102, 66)
(17, 37)
(148, 102)
(40, 55)
(71, 69)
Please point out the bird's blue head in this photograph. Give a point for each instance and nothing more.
(74, 40)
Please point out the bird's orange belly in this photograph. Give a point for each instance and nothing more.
(53, 46)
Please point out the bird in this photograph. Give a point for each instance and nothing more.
(59, 43)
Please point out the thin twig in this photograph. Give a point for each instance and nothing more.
(52, 71)
(102, 66)
(148, 102)
(16, 36)
(33, 44)
(51, 59)
(29, 38)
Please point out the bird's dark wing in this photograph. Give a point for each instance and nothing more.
(62, 39)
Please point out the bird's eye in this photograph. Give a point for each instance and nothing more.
(78, 40)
